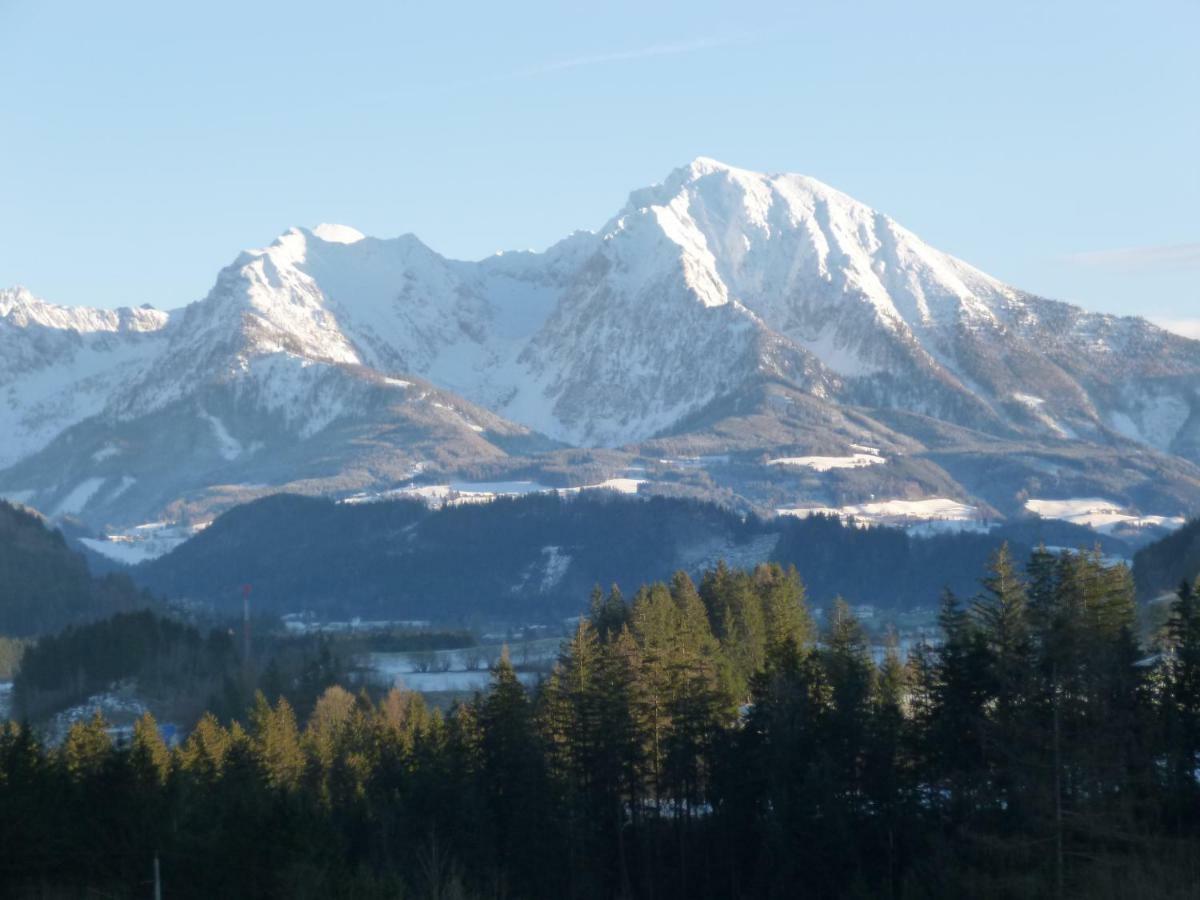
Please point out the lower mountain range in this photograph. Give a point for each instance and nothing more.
(531, 560)
(763, 341)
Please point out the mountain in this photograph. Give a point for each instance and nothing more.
(45, 585)
(761, 339)
(1163, 566)
(537, 558)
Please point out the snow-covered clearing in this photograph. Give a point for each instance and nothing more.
(933, 513)
(456, 493)
(142, 542)
(826, 463)
(619, 485)
(459, 670)
(695, 462)
(1099, 514)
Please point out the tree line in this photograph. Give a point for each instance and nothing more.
(710, 740)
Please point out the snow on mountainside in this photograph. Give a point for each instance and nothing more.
(59, 365)
(330, 361)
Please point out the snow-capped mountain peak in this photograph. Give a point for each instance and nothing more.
(716, 288)
(21, 308)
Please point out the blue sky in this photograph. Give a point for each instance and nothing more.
(1054, 145)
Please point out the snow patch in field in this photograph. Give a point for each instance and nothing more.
(497, 488)
(619, 485)
(1099, 514)
(826, 463)
(142, 542)
(460, 492)
(79, 497)
(695, 462)
(930, 514)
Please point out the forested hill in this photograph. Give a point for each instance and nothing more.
(1165, 564)
(44, 585)
(534, 557)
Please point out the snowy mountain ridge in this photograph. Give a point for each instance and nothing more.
(697, 296)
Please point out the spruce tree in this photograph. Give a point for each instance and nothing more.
(1180, 707)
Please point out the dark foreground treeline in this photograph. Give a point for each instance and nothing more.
(691, 743)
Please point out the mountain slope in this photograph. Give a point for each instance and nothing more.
(59, 365)
(538, 558)
(1164, 565)
(721, 313)
(45, 586)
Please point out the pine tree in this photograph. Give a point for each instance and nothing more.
(846, 659)
(887, 777)
(1181, 704)
(1003, 619)
(783, 599)
(609, 614)
(958, 716)
(511, 775)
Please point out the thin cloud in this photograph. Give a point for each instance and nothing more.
(1187, 327)
(650, 52)
(1173, 255)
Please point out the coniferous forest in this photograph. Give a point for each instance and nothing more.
(693, 741)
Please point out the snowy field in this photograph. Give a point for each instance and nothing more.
(1099, 514)
(455, 493)
(695, 462)
(142, 542)
(922, 516)
(867, 456)
(462, 670)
